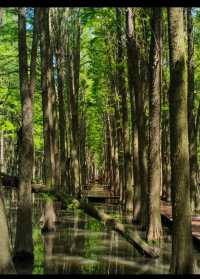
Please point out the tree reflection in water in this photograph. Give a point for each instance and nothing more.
(82, 245)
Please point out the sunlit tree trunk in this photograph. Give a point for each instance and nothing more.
(154, 230)
(181, 259)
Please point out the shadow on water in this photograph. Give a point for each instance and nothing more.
(23, 267)
(82, 245)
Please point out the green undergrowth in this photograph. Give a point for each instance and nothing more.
(67, 200)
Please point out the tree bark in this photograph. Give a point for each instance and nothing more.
(46, 85)
(140, 193)
(73, 90)
(127, 187)
(48, 217)
(24, 241)
(154, 230)
(195, 198)
(181, 259)
(62, 116)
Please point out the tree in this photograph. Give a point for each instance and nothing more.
(72, 52)
(24, 241)
(181, 259)
(195, 202)
(136, 67)
(154, 230)
(121, 86)
(47, 95)
(57, 28)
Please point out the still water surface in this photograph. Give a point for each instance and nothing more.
(82, 245)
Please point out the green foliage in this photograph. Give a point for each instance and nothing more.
(47, 196)
(73, 204)
(38, 252)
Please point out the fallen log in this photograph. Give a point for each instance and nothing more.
(13, 182)
(130, 235)
(8, 180)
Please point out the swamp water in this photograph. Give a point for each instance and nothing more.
(82, 245)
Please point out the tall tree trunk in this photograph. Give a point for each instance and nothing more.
(131, 72)
(115, 126)
(24, 241)
(62, 116)
(32, 77)
(55, 131)
(75, 110)
(195, 198)
(46, 84)
(74, 174)
(127, 187)
(181, 259)
(154, 231)
(139, 213)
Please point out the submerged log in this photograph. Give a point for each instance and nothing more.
(130, 235)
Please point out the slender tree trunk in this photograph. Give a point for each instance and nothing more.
(32, 77)
(62, 116)
(55, 131)
(73, 68)
(108, 154)
(131, 72)
(83, 163)
(127, 187)
(46, 84)
(139, 212)
(181, 260)
(154, 230)
(75, 110)
(74, 174)
(195, 198)
(115, 129)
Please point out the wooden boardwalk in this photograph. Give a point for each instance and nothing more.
(99, 191)
(166, 214)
